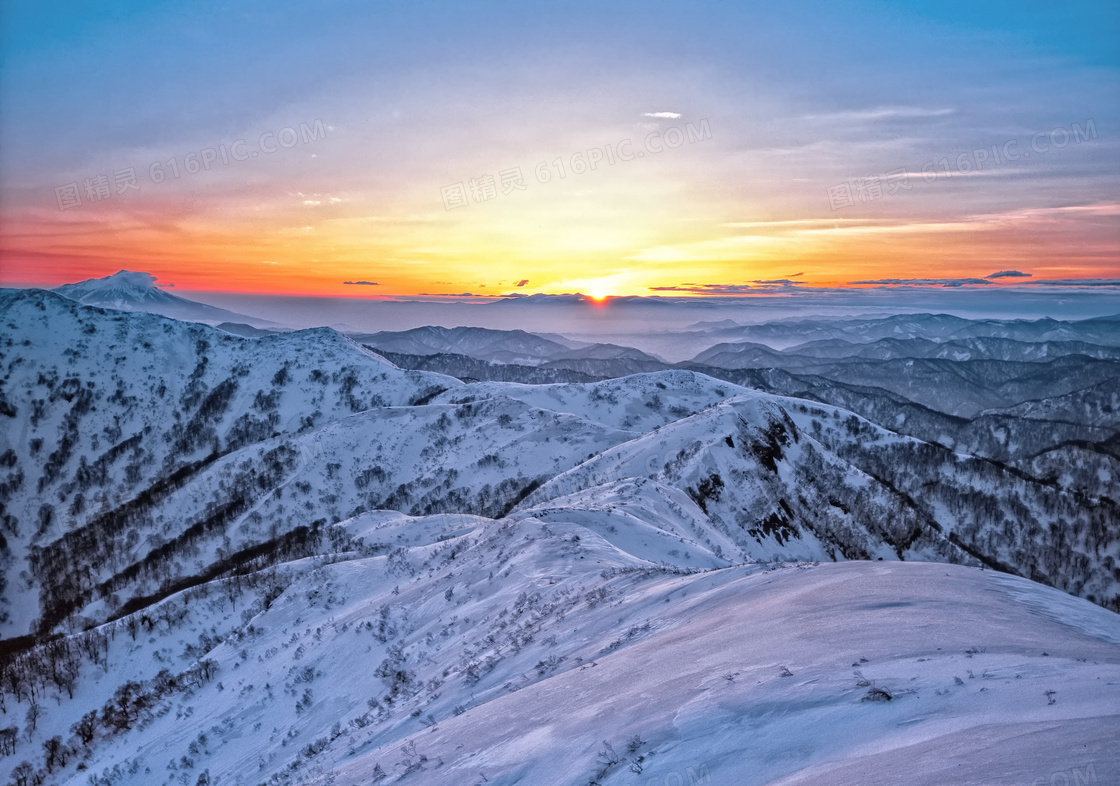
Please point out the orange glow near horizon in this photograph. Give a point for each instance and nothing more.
(493, 256)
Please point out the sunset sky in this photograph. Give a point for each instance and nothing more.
(755, 147)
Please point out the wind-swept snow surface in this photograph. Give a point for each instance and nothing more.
(483, 652)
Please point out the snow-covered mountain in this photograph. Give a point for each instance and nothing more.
(1050, 414)
(110, 411)
(497, 346)
(284, 559)
(128, 290)
(512, 347)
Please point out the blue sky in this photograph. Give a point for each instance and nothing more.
(799, 96)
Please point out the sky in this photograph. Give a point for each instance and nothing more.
(387, 150)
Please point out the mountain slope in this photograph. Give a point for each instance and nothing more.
(108, 411)
(471, 651)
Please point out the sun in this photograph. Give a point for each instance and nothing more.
(599, 289)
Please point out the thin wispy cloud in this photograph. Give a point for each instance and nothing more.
(706, 289)
(1075, 282)
(795, 223)
(924, 282)
(755, 287)
(882, 113)
(663, 115)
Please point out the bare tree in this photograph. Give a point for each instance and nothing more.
(22, 774)
(86, 727)
(32, 718)
(56, 752)
(8, 738)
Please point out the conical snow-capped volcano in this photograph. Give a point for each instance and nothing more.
(129, 290)
(125, 289)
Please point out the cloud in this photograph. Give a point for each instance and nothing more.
(968, 282)
(663, 115)
(1075, 282)
(759, 286)
(709, 289)
(794, 223)
(404, 220)
(882, 112)
(362, 283)
(539, 297)
(522, 282)
(794, 275)
(926, 282)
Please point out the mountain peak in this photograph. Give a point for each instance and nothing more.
(133, 290)
(123, 289)
(130, 277)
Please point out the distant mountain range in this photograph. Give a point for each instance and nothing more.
(786, 333)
